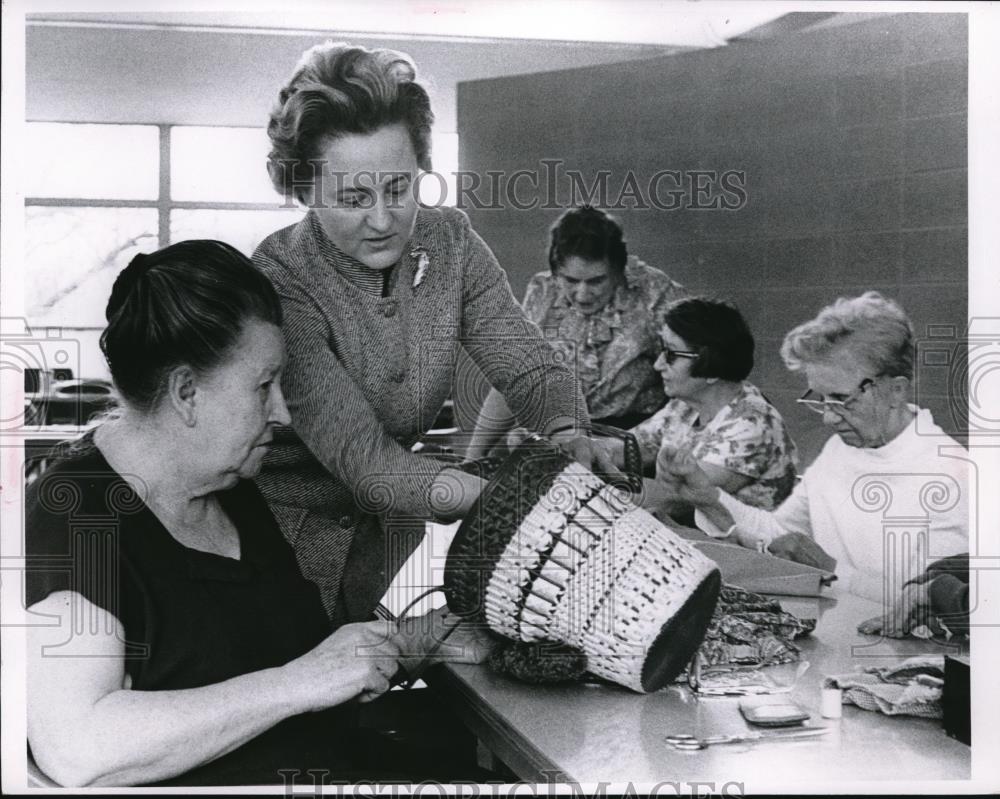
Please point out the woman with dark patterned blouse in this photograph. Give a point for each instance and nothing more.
(600, 309)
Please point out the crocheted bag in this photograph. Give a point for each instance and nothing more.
(550, 552)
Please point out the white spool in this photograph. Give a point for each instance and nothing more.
(831, 703)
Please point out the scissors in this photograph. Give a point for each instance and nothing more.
(692, 743)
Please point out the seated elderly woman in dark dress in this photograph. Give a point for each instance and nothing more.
(190, 648)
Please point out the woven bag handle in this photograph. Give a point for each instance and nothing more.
(633, 456)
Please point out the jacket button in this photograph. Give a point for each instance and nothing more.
(345, 521)
(389, 310)
(398, 377)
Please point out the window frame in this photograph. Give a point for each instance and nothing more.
(163, 203)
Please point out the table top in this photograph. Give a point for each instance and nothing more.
(594, 733)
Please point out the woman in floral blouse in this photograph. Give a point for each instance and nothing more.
(600, 310)
(736, 435)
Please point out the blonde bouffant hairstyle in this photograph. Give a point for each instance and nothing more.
(338, 89)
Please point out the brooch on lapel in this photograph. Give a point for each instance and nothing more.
(423, 261)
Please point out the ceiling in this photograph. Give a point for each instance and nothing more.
(220, 66)
(186, 75)
(647, 22)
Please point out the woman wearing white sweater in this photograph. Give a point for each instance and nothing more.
(887, 495)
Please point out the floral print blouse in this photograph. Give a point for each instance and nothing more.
(614, 349)
(748, 437)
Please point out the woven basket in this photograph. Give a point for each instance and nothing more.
(551, 552)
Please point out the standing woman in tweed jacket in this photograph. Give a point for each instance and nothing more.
(378, 296)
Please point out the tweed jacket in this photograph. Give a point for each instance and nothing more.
(367, 374)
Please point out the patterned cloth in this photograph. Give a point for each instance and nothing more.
(748, 437)
(613, 349)
(749, 629)
(367, 374)
(913, 688)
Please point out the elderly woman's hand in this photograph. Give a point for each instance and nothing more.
(680, 477)
(357, 660)
(453, 494)
(442, 637)
(801, 548)
(592, 453)
(910, 610)
(515, 438)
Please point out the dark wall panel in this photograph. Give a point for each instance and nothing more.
(852, 139)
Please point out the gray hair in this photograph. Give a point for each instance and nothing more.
(873, 327)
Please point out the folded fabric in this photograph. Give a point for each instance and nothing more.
(911, 688)
(748, 629)
(759, 571)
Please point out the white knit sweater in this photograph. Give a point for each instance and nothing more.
(884, 513)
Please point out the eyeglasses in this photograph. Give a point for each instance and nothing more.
(820, 405)
(671, 356)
